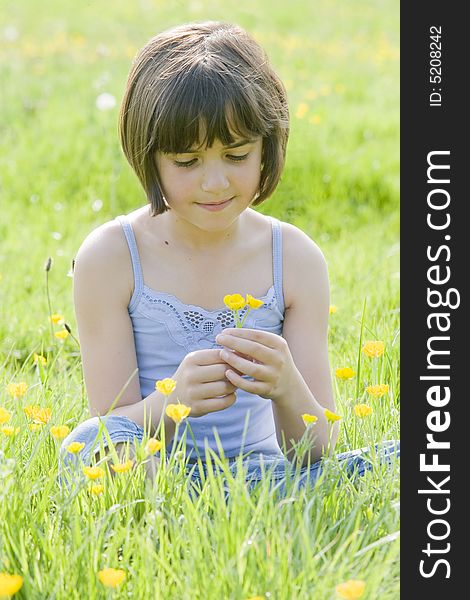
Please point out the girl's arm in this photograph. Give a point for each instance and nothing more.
(293, 371)
(103, 282)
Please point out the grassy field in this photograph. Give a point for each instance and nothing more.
(62, 173)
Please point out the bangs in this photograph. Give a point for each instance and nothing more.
(198, 107)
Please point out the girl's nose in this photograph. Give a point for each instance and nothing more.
(214, 180)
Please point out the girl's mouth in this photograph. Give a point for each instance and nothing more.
(215, 206)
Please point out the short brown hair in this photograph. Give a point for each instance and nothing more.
(211, 75)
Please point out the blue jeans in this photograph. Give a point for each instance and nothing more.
(257, 466)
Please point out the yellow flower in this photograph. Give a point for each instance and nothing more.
(5, 416)
(234, 301)
(38, 414)
(153, 446)
(351, 589)
(57, 319)
(302, 110)
(122, 467)
(111, 577)
(97, 489)
(333, 309)
(75, 447)
(377, 390)
(373, 349)
(315, 119)
(17, 389)
(345, 373)
(93, 472)
(9, 430)
(35, 426)
(61, 335)
(165, 386)
(253, 302)
(38, 358)
(308, 419)
(363, 410)
(331, 416)
(9, 584)
(177, 412)
(256, 598)
(60, 431)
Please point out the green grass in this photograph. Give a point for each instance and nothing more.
(58, 156)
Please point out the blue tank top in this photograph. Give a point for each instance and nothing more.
(165, 330)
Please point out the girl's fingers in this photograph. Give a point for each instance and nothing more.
(216, 388)
(248, 347)
(243, 365)
(212, 372)
(254, 387)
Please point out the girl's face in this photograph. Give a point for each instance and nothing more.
(211, 187)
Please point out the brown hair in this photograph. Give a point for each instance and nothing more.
(208, 74)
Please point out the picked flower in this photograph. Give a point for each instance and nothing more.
(17, 390)
(61, 335)
(9, 430)
(39, 359)
(38, 414)
(93, 472)
(333, 309)
(153, 446)
(309, 419)
(353, 589)
(363, 410)
(122, 467)
(59, 432)
(5, 416)
(165, 386)
(57, 319)
(10, 584)
(377, 390)
(177, 412)
(373, 349)
(234, 301)
(254, 303)
(331, 417)
(345, 373)
(111, 577)
(97, 489)
(74, 447)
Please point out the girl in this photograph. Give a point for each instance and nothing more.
(204, 123)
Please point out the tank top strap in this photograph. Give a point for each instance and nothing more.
(277, 262)
(136, 266)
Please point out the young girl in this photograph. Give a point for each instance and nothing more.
(204, 124)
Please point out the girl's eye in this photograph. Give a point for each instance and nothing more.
(190, 163)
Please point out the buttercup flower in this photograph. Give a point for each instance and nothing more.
(111, 577)
(377, 390)
(153, 446)
(38, 414)
(165, 386)
(345, 373)
(93, 472)
(309, 419)
(97, 489)
(60, 431)
(333, 309)
(9, 430)
(234, 301)
(9, 584)
(373, 349)
(61, 335)
(253, 302)
(351, 589)
(177, 412)
(38, 358)
(363, 410)
(35, 426)
(5, 416)
(75, 447)
(331, 417)
(17, 390)
(57, 319)
(122, 467)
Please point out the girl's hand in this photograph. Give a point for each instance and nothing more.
(201, 383)
(261, 355)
